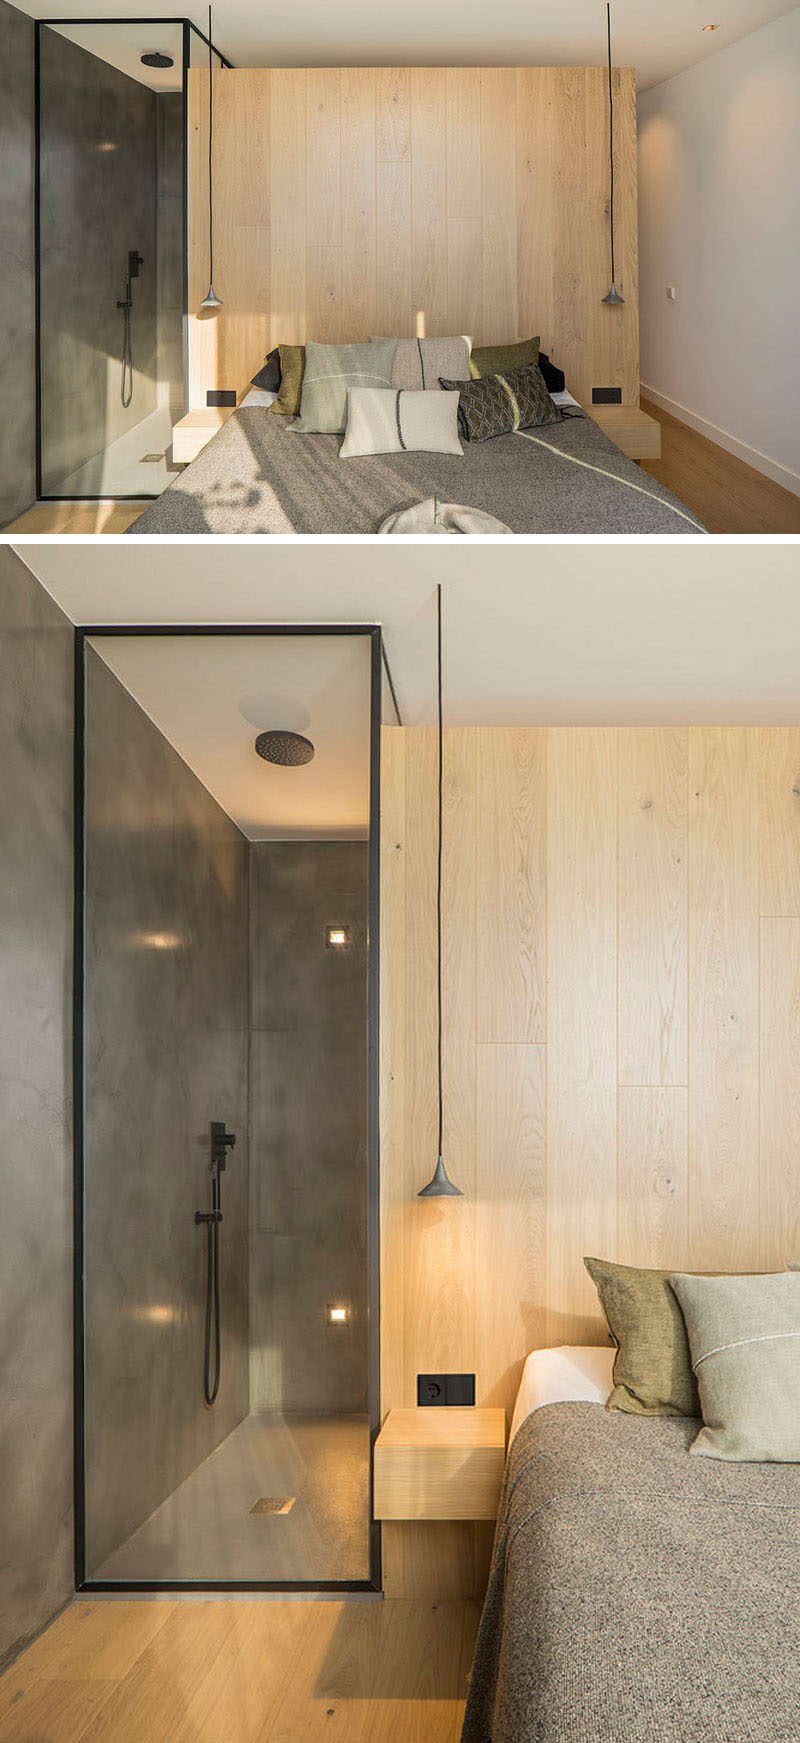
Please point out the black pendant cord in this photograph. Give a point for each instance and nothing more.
(439, 871)
(611, 135)
(211, 192)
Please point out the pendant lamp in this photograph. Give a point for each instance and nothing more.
(440, 1185)
(613, 297)
(210, 300)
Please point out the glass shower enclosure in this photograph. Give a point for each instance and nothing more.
(226, 1165)
(111, 252)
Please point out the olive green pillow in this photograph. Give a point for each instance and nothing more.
(496, 359)
(744, 1334)
(652, 1368)
(293, 363)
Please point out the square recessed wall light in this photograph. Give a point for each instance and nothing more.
(337, 937)
(337, 1313)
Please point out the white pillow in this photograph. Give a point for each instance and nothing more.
(387, 420)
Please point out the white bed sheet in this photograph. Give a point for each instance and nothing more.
(571, 1372)
(258, 396)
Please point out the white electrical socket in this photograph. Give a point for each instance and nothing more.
(671, 292)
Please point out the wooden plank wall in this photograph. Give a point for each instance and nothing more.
(413, 200)
(622, 1042)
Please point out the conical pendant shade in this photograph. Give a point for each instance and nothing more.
(613, 296)
(613, 299)
(211, 300)
(440, 1185)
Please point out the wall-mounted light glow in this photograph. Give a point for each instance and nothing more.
(156, 940)
(337, 937)
(337, 1313)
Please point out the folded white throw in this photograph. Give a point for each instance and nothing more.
(432, 516)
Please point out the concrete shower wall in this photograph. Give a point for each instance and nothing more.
(17, 294)
(35, 1064)
(308, 1113)
(166, 1051)
(170, 228)
(98, 201)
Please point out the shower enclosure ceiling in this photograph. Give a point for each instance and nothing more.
(226, 1158)
(111, 253)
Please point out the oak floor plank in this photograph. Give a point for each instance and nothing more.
(725, 493)
(95, 1641)
(43, 1710)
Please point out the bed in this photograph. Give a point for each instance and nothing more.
(635, 1593)
(258, 476)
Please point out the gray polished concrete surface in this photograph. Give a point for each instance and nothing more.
(17, 293)
(98, 201)
(207, 1530)
(308, 1110)
(167, 951)
(35, 1095)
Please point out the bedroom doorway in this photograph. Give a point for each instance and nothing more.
(226, 1159)
(111, 127)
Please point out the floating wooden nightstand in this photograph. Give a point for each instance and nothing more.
(195, 431)
(440, 1464)
(634, 431)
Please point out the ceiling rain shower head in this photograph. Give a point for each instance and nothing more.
(288, 749)
(156, 59)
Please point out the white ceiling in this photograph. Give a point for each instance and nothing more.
(533, 633)
(122, 46)
(211, 695)
(657, 38)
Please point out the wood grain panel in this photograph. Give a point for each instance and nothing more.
(499, 203)
(780, 1092)
(510, 1279)
(358, 267)
(779, 821)
(723, 996)
(653, 772)
(323, 157)
(462, 199)
(581, 1024)
(512, 882)
(653, 1178)
(394, 249)
(429, 201)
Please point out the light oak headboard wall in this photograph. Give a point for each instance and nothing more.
(399, 200)
(621, 1042)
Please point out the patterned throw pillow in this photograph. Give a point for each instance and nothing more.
(498, 404)
(498, 359)
(418, 363)
(292, 365)
(330, 370)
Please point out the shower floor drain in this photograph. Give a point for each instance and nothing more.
(151, 459)
(273, 1504)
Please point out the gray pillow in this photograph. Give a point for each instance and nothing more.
(329, 371)
(418, 363)
(388, 421)
(744, 1336)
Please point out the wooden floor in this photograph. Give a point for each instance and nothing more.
(238, 1672)
(76, 518)
(725, 494)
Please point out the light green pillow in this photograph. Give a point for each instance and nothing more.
(652, 1367)
(330, 370)
(498, 359)
(744, 1334)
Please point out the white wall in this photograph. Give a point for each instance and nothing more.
(719, 217)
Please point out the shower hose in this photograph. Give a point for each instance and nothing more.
(127, 355)
(212, 1222)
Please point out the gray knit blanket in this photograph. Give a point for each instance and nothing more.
(637, 1594)
(257, 476)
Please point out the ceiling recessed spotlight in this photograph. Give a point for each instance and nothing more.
(711, 27)
(154, 58)
(288, 749)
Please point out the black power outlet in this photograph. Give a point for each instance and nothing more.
(435, 1389)
(221, 396)
(606, 396)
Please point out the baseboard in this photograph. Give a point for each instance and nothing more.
(752, 456)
